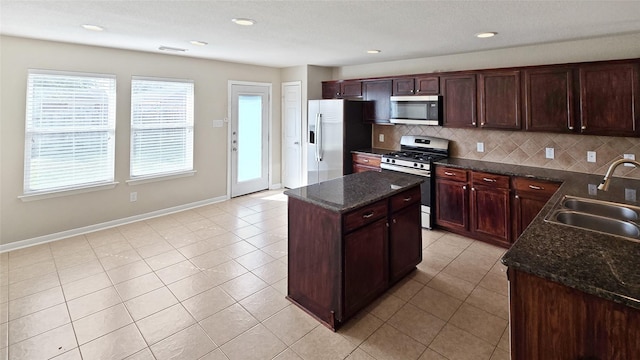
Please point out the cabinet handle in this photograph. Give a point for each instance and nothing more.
(473, 189)
(448, 173)
(570, 127)
(366, 160)
(394, 221)
(517, 196)
(536, 187)
(411, 91)
(473, 123)
(489, 180)
(368, 215)
(464, 187)
(482, 124)
(407, 199)
(583, 127)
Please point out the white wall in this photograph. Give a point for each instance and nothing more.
(604, 48)
(26, 220)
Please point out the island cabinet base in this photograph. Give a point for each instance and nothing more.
(338, 263)
(552, 321)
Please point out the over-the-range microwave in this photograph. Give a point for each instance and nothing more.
(416, 110)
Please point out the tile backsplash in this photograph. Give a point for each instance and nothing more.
(524, 148)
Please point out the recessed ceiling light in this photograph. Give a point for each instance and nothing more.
(243, 21)
(92, 27)
(168, 48)
(484, 35)
(199, 43)
(374, 51)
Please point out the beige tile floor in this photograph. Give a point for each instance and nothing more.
(209, 283)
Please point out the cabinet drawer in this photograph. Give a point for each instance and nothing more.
(405, 198)
(365, 215)
(488, 179)
(364, 159)
(535, 186)
(451, 173)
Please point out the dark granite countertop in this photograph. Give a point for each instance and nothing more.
(603, 265)
(355, 190)
(374, 151)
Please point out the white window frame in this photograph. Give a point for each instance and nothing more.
(36, 128)
(182, 119)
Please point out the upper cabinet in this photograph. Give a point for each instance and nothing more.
(418, 85)
(459, 100)
(499, 99)
(378, 92)
(609, 99)
(548, 99)
(342, 89)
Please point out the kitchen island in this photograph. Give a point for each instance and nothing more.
(574, 293)
(350, 239)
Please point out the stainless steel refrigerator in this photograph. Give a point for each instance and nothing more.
(335, 128)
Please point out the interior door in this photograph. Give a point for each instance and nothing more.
(292, 123)
(249, 138)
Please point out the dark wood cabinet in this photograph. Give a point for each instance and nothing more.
(404, 251)
(342, 89)
(378, 92)
(366, 162)
(609, 99)
(529, 198)
(340, 262)
(459, 100)
(419, 85)
(452, 199)
(548, 99)
(490, 208)
(551, 321)
(499, 99)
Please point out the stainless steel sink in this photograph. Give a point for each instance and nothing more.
(597, 223)
(596, 215)
(602, 208)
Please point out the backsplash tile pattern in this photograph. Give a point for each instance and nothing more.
(524, 148)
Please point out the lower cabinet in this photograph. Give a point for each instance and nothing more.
(339, 263)
(551, 321)
(489, 207)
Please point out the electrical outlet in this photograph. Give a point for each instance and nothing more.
(630, 195)
(549, 153)
(381, 137)
(629, 157)
(591, 156)
(133, 196)
(593, 189)
(480, 147)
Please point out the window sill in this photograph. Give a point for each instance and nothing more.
(67, 192)
(163, 177)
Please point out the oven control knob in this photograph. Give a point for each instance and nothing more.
(421, 166)
(415, 164)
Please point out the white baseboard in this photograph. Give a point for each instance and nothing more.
(275, 186)
(106, 225)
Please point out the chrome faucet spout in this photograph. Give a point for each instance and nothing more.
(604, 185)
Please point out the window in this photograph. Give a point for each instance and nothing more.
(161, 127)
(70, 131)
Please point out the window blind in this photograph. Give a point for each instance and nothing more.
(161, 127)
(70, 130)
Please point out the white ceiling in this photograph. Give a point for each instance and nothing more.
(327, 33)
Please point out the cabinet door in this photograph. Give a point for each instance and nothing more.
(609, 102)
(452, 205)
(405, 242)
(490, 214)
(366, 265)
(330, 90)
(351, 89)
(527, 206)
(548, 95)
(427, 85)
(403, 86)
(459, 100)
(499, 99)
(378, 92)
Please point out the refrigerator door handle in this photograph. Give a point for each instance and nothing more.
(319, 140)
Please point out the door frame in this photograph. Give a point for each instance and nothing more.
(230, 84)
(283, 144)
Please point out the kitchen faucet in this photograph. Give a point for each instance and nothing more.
(604, 185)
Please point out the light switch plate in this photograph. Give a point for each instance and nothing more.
(593, 189)
(480, 147)
(629, 157)
(133, 196)
(381, 137)
(218, 123)
(591, 156)
(630, 195)
(549, 154)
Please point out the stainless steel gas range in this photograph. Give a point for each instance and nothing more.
(416, 155)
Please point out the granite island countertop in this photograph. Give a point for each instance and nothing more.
(603, 265)
(354, 190)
